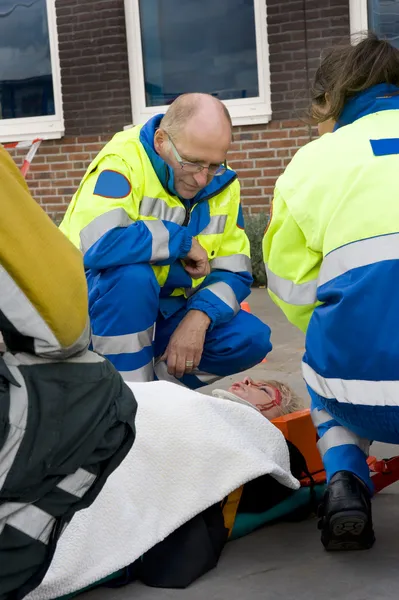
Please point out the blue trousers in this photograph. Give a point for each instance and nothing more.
(124, 309)
(347, 430)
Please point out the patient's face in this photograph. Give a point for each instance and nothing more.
(266, 398)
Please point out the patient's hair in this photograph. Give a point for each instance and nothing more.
(290, 401)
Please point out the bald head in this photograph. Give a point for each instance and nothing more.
(188, 107)
(196, 130)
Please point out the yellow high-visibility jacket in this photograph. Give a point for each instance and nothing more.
(125, 211)
(43, 300)
(332, 252)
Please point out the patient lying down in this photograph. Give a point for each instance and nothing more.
(271, 398)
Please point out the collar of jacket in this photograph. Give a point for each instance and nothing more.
(377, 98)
(165, 172)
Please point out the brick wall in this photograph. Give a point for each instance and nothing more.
(96, 95)
(94, 66)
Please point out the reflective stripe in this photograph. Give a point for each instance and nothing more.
(78, 483)
(142, 374)
(300, 294)
(319, 417)
(21, 358)
(27, 518)
(235, 263)
(161, 372)
(353, 391)
(123, 344)
(225, 293)
(56, 352)
(95, 230)
(17, 415)
(155, 207)
(339, 436)
(160, 240)
(207, 378)
(359, 254)
(23, 315)
(216, 225)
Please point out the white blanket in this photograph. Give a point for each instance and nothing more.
(191, 451)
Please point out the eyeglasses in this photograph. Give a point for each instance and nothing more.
(190, 167)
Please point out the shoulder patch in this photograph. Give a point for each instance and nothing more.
(112, 184)
(240, 218)
(385, 147)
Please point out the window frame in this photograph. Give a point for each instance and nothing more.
(358, 17)
(248, 111)
(48, 126)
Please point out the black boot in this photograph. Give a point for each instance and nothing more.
(346, 514)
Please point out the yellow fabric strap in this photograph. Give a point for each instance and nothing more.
(231, 507)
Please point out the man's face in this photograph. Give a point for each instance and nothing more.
(193, 148)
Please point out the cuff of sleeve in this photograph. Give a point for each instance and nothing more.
(186, 244)
(205, 307)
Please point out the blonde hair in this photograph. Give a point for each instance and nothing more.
(290, 401)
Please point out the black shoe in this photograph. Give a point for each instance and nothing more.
(346, 522)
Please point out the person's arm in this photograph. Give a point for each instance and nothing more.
(292, 267)
(114, 235)
(229, 282)
(43, 285)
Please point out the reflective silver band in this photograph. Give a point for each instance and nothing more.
(143, 374)
(23, 315)
(225, 293)
(123, 344)
(216, 225)
(359, 254)
(300, 294)
(22, 358)
(17, 416)
(155, 207)
(27, 518)
(78, 483)
(42, 348)
(319, 417)
(353, 391)
(236, 263)
(160, 240)
(207, 378)
(161, 371)
(339, 436)
(95, 230)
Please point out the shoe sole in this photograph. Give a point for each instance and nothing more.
(348, 530)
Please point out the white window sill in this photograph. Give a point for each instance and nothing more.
(24, 132)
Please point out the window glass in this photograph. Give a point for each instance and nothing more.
(26, 82)
(198, 46)
(383, 18)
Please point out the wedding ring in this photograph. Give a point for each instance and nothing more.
(189, 363)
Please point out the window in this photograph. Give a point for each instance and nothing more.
(213, 46)
(380, 16)
(30, 89)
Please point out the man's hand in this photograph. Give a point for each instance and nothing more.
(196, 262)
(186, 345)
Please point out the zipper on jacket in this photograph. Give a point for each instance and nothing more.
(187, 217)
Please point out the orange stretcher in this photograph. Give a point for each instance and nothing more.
(298, 428)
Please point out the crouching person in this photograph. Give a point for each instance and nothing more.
(66, 417)
(333, 263)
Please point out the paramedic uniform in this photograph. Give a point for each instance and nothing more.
(332, 260)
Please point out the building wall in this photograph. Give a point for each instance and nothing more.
(96, 95)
